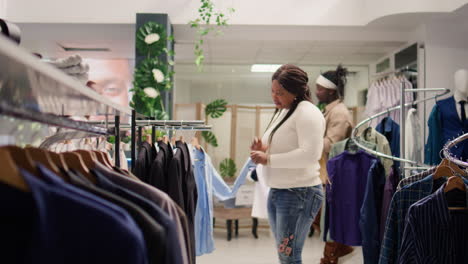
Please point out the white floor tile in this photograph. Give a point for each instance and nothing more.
(246, 249)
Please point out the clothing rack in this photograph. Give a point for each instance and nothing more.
(193, 125)
(449, 145)
(36, 91)
(402, 106)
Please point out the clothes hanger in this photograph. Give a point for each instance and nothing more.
(58, 160)
(447, 168)
(455, 191)
(106, 157)
(455, 182)
(100, 157)
(10, 174)
(74, 161)
(41, 156)
(22, 159)
(89, 158)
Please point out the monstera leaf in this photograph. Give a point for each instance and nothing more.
(227, 168)
(151, 39)
(152, 73)
(216, 108)
(210, 138)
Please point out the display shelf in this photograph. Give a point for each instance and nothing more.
(29, 83)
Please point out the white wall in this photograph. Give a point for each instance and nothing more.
(273, 12)
(238, 85)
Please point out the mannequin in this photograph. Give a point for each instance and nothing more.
(446, 121)
(461, 87)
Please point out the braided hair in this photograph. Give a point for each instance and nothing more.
(294, 80)
(338, 77)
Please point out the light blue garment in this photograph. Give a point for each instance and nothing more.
(209, 182)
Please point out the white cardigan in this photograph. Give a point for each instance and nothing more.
(296, 148)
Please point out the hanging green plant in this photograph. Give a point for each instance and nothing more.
(203, 25)
(210, 138)
(152, 73)
(216, 108)
(227, 168)
(151, 39)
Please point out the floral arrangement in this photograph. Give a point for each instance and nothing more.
(152, 76)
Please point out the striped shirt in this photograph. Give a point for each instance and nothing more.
(415, 178)
(401, 202)
(433, 234)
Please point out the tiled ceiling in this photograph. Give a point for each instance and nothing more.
(238, 45)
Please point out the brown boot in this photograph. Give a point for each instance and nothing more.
(333, 251)
(343, 250)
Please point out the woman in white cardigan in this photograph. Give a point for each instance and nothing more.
(290, 151)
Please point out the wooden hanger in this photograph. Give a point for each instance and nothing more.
(22, 159)
(89, 158)
(10, 174)
(75, 161)
(443, 170)
(41, 156)
(58, 160)
(456, 183)
(447, 169)
(101, 158)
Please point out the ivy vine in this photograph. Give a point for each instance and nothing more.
(152, 76)
(203, 25)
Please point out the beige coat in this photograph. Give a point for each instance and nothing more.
(339, 125)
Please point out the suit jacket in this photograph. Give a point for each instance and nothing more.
(153, 232)
(74, 226)
(144, 160)
(162, 200)
(189, 188)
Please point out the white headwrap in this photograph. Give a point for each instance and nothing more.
(322, 81)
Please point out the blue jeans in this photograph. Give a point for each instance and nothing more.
(291, 213)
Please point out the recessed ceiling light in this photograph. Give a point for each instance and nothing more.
(264, 67)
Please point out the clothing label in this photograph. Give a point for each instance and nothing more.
(245, 195)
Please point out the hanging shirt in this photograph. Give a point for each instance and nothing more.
(433, 234)
(210, 183)
(345, 203)
(413, 136)
(391, 131)
(337, 149)
(401, 202)
(382, 145)
(389, 190)
(434, 140)
(371, 210)
(69, 219)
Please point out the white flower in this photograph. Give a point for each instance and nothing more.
(151, 38)
(151, 92)
(158, 75)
